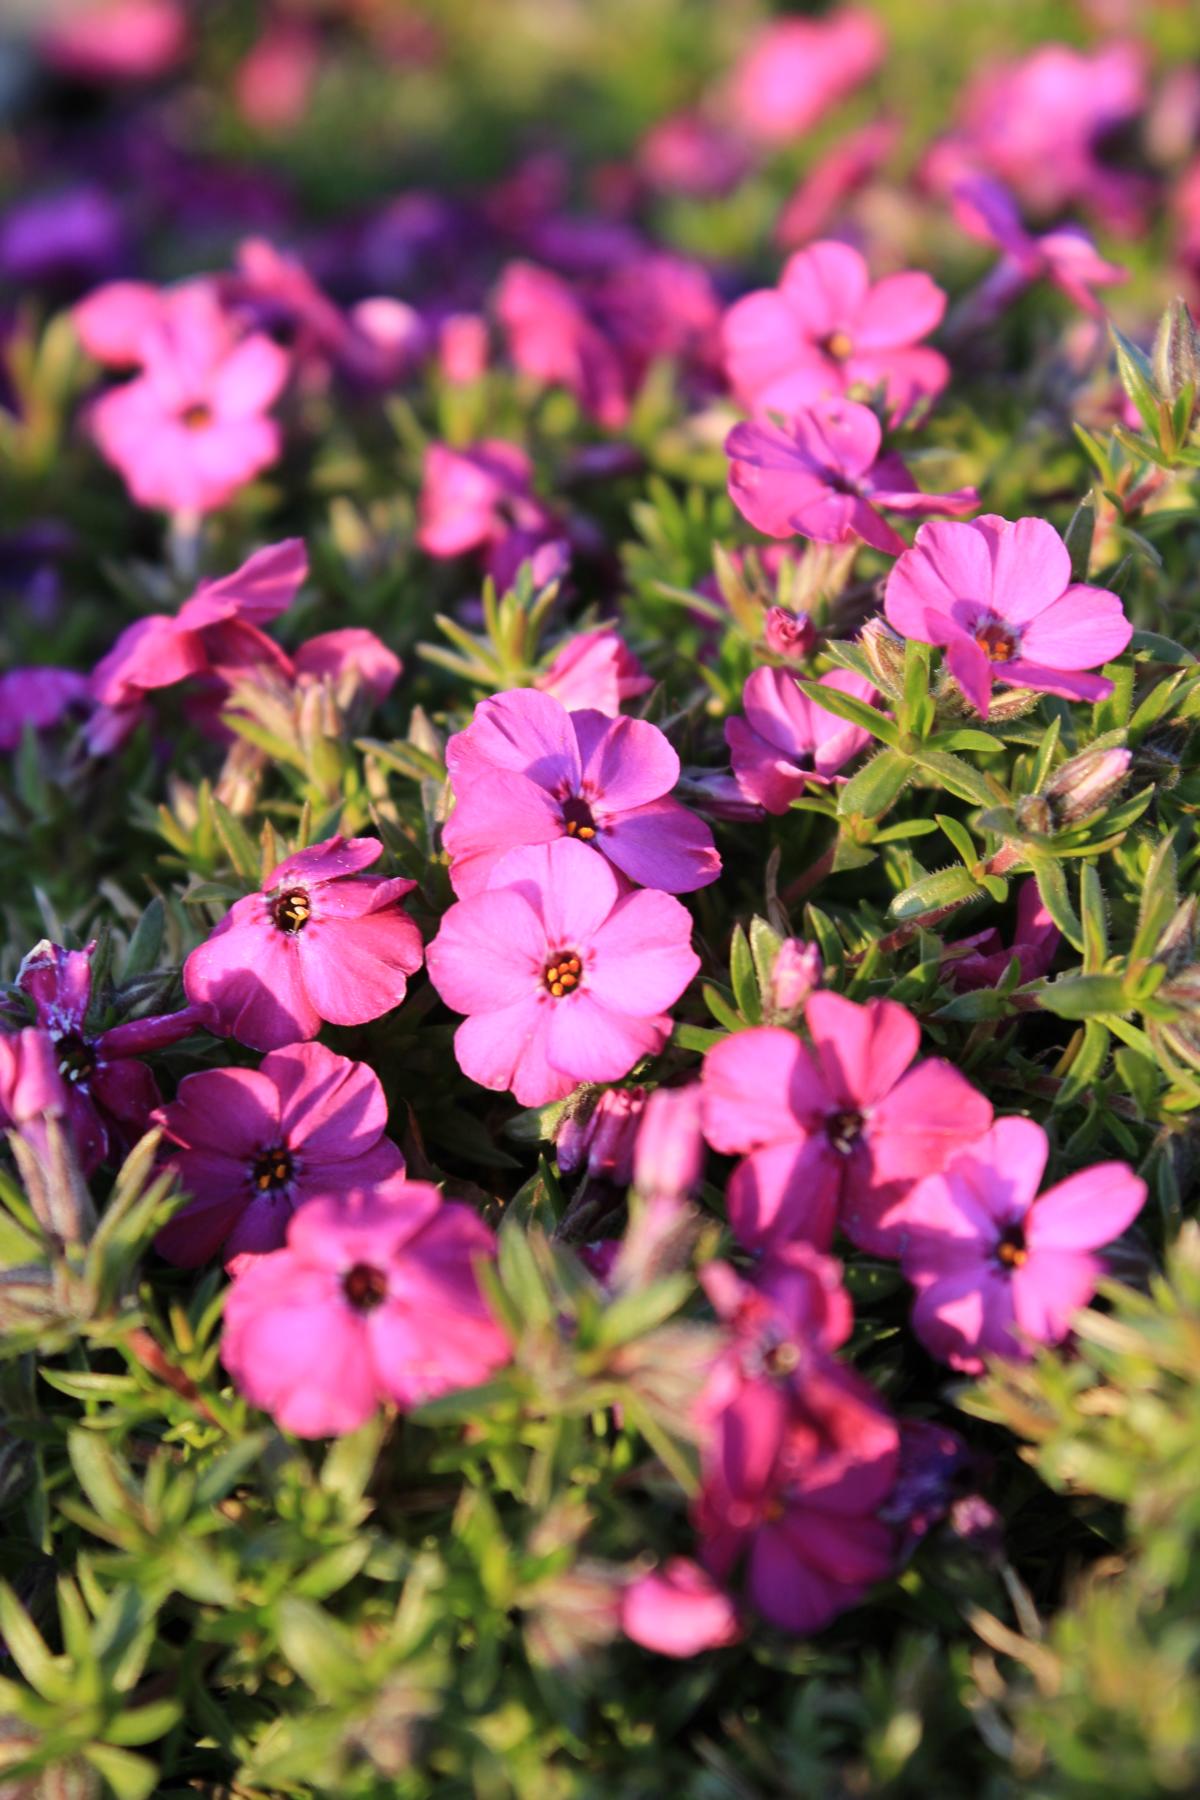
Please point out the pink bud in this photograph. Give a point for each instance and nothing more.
(678, 1610)
(669, 1156)
(788, 634)
(30, 1083)
(463, 347)
(602, 1136)
(797, 971)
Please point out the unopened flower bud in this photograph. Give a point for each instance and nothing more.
(669, 1155)
(884, 651)
(716, 793)
(1178, 944)
(1179, 1037)
(787, 634)
(797, 970)
(1176, 357)
(601, 1136)
(1085, 785)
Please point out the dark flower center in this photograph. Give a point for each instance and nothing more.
(76, 1058)
(562, 973)
(292, 911)
(365, 1287)
(839, 345)
(197, 417)
(843, 1129)
(781, 1359)
(1011, 1252)
(996, 641)
(577, 817)
(273, 1169)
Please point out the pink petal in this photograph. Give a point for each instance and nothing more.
(593, 1042)
(524, 730)
(861, 1050)
(966, 1316)
(328, 861)
(678, 1610)
(249, 975)
(301, 1355)
(1031, 569)
(332, 1107)
(760, 1087)
(1087, 1210)
(1053, 681)
(927, 1117)
(355, 970)
(907, 376)
(662, 845)
(497, 811)
(897, 311)
(574, 889)
(1050, 1288)
(232, 1112)
(1083, 627)
(640, 959)
(826, 287)
(490, 952)
(263, 587)
(250, 379)
(787, 1590)
(623, 762)
(971, 668)
(507, 1049)
(785, 1193)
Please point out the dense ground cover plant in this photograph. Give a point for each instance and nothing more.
(600, 977)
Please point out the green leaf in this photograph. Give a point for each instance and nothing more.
(872, 790)
(1091, 913)
(742, 977)
(1052, 886)
(634, 1314)
(857, 712)
(145, 945)
(960, 838)
(958, 777)
(130, 1777)
(945, 887)
(1081, 996)
(318, 1647)
(1137, 378)
(720, 1008)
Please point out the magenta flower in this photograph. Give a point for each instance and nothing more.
(192, 428)
(322, 942)
(475, 499)
(823, 477)
(254, 1144)
(995, 1263)
(1066, 256)
(595, 671)
(357, 665)
(552, 338)
(786, 740)
(839, 1131)
(526, 771)
(794, 1478)
(38, 699)
(372, 344)
(825, 329)
(117, 40)
(796, 70)
(981, 961)
(791, 1310)
(998, 595)
(564, 977)
(678, 1610)
(110, 1092)
(686, 153)
(370, 1302)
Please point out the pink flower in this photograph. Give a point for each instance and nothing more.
(37, 698)
(110, 1092)
(825, 329)
(115, 321)
(595, 671)
(192, 428)
(833, 178)
(322, 942)
(117, 40)
(254, 1144)
(1066, 256)
(678, 1610)
(794, 1479)
(981, 961)
(791, 1309)
(846, 1126)
(668, 1158)
(274, 80)
(481, 499)
(1037, 124)
(526, 771)
(789, 635)
(370, 1302)
(356, 664)
(378, 340)
(999, 596)
(552, 338)
(797, 70)
(31, 1083)
(823, 477)
(786, 740)
(565, 978)
(996, 1263)
(689, 154)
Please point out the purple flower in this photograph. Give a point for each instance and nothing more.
(995, 1263)
(823, 477)
(825, 329)
(1065, 256)
(322, 942)
(981, 961)
(38, 698)
(254, 1144)
(371, 1301)
(849, 1125)
(110, 1092)
(526, 771)
(565, 976)
(998, 595)
(785, 741)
